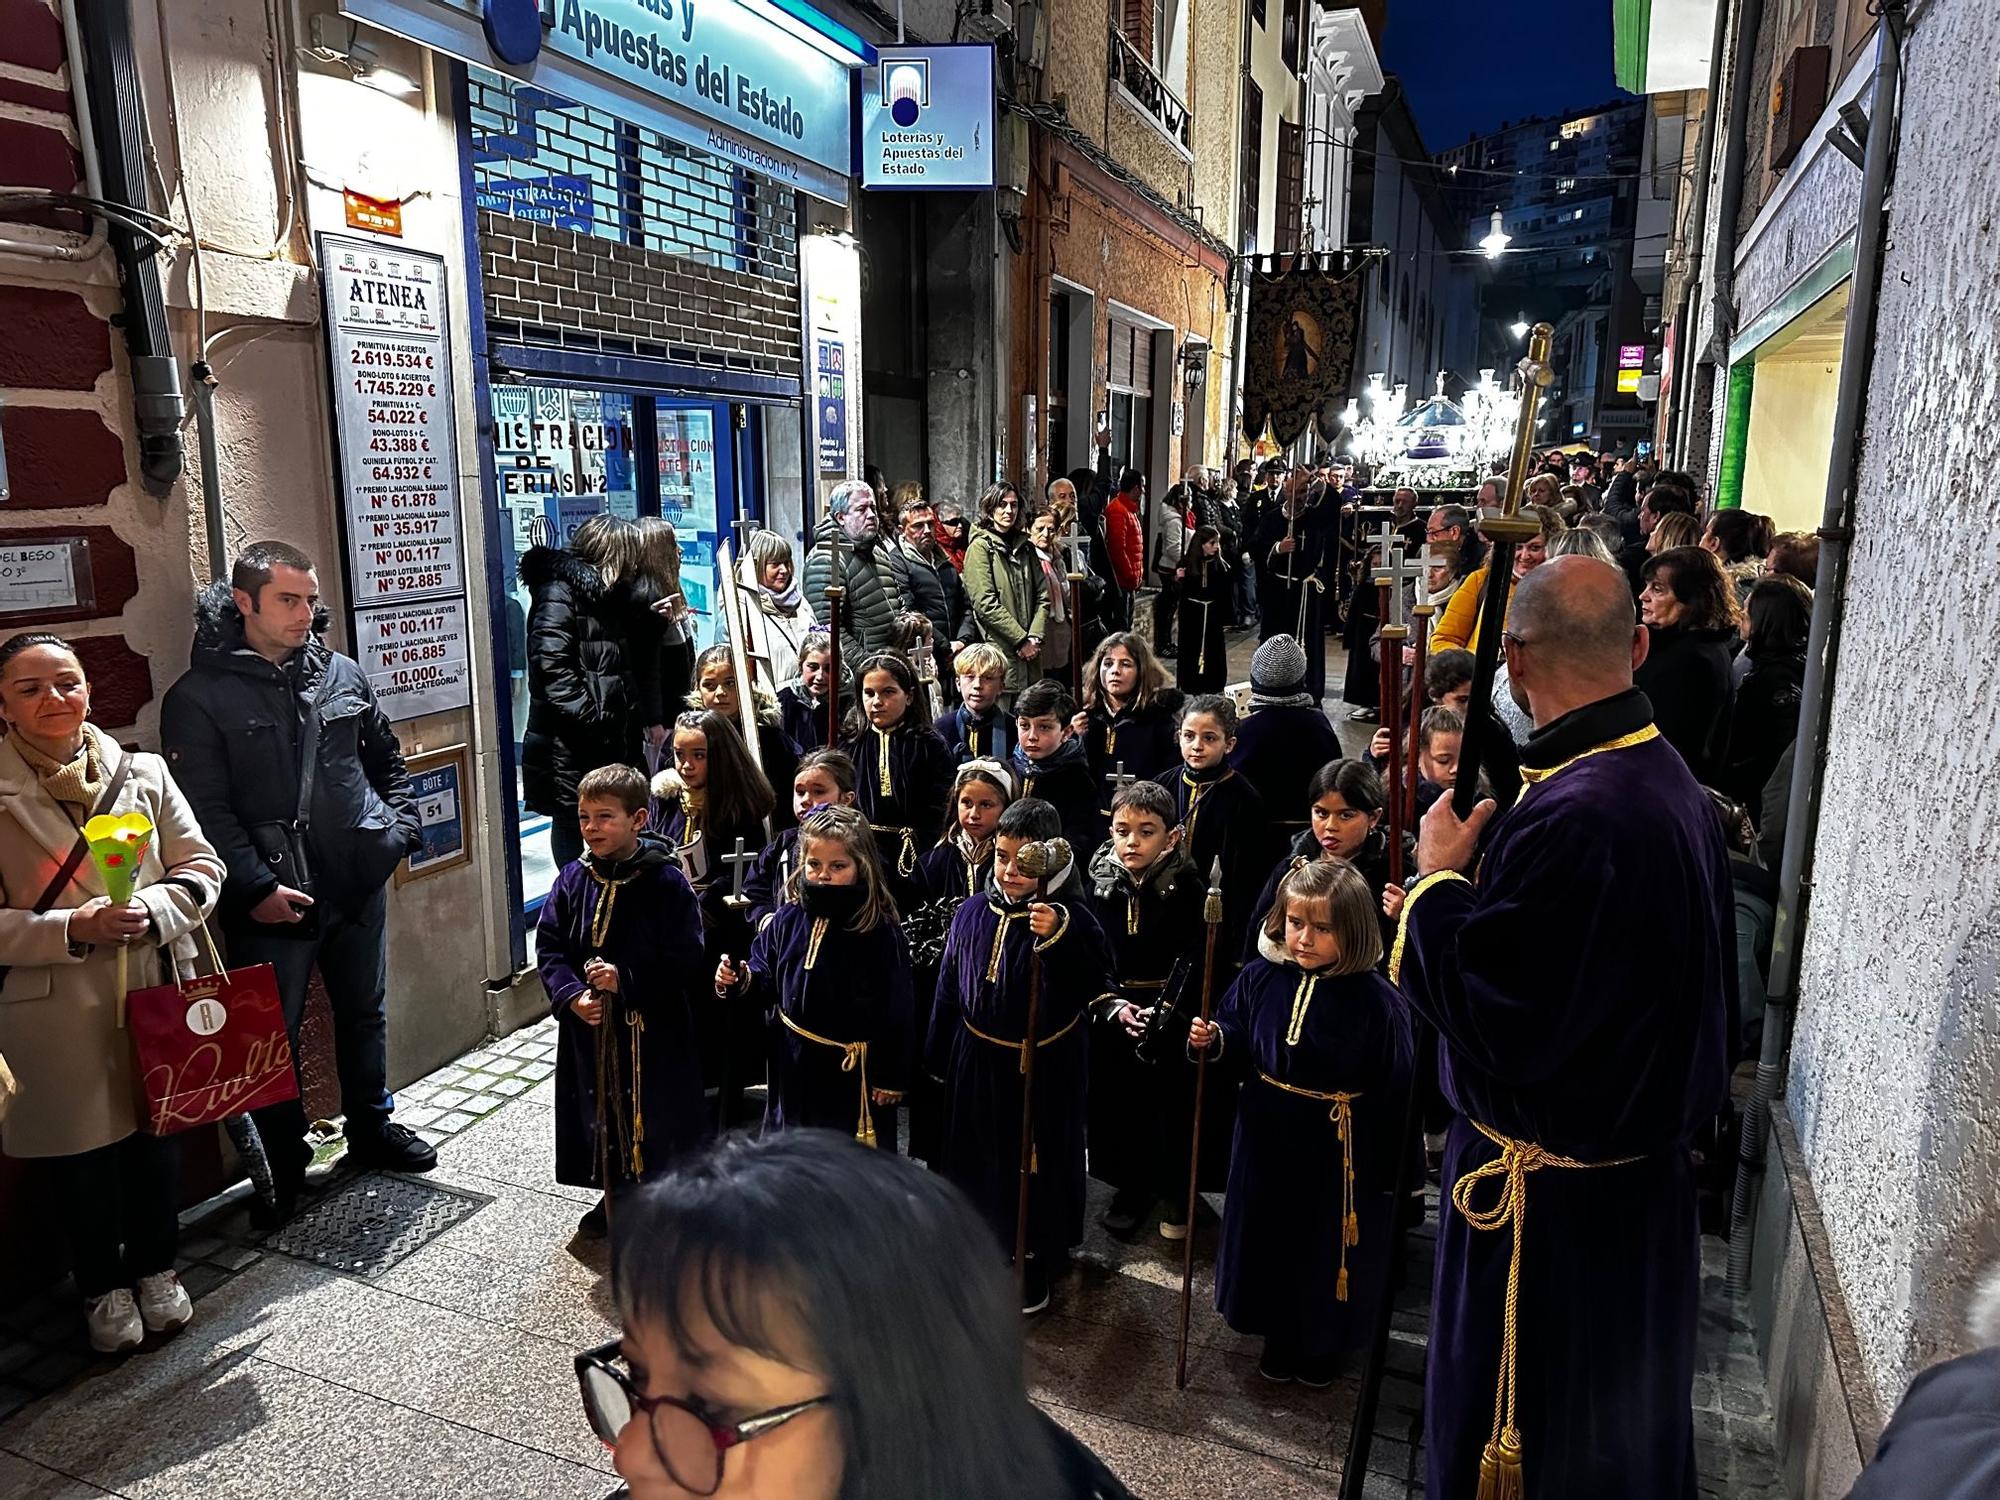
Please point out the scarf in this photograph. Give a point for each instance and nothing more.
(78, 782)
(787, 603)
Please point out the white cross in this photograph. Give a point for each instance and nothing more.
(739, 860)
(1396, 571)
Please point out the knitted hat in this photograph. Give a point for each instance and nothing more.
(1278, 675)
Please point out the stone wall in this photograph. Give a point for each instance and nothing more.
(1895, 1070)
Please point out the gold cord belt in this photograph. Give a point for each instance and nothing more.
(1342, 1115)
(1500, 1465)
(1022, 1047)
(906, 857)
(855, 1060)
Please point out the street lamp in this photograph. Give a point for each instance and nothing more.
(1519, 328)
(1497, 238)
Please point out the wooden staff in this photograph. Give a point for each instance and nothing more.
(836, 594)
(1044, 861)
(1071, 546)
(1391, 651)
(1211, 914)
(1420, 635)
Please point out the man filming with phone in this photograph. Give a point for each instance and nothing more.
(298, 780)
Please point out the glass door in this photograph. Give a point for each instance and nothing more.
(564, 452)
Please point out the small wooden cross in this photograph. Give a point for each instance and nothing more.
(1395, 570)
(1072, 545)
(1119, 779)
(739, 861)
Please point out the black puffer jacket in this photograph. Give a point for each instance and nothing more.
(1686, 678)
(231, 730)
(581, 714)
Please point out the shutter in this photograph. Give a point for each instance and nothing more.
(1142, 361)
(1120, 368)
(1136, 21)
(1291, 186)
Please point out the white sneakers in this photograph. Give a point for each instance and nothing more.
(119, 1322)
(163, 1303)
(114, 1323)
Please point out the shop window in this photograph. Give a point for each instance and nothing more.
(543, 158)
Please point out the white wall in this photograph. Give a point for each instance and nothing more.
(1895, 1076)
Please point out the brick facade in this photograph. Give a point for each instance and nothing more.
(545, 283)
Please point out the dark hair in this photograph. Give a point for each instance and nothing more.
(622, 784)
(836, 763)
(1045, 699)
(737, 792)
(888, 1275)
(897, 666)
(1795, 554)
(1445, 670)
(1697, 580)
(1129, 479)
(1150, 797)
(1216, 706)
(1194, 558)
(1673, 491)
(1741, 534)
(253, 567)
(27, 640)
(1438, 720)
(1030, 818)
(990, 502)
(1358, 783)
(1780, 610)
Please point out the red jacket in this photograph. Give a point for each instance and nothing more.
(1121, 535)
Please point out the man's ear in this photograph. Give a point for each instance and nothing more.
(1174, 836)
(1642, 646)
(639, 819)
(246, 603)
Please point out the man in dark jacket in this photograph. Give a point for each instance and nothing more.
(930, 584)
(874, 594)
(309, 848)
(1943, 1443)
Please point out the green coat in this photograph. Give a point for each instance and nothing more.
(1010, 595)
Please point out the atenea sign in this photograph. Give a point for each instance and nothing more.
(763, 84)
(927, 118)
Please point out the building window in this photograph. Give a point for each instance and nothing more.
(1257, 13)
(1129, 391)
(1292, 42)
(1291, 187)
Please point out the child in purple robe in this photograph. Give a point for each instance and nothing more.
(714, 799)
(825, 778)
(802, 708)
(1221, 815)
(1348, 805)
(830, 977)
(980, 726)
(1128, 713)
(614, 942)
(1148, 898)
(1053, 764)
(902, 770)
(958, 867)
(978, 1039)
(1322, 1045)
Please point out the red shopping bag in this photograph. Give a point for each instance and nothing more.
(210, 1048)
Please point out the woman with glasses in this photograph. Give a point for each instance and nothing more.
(807, 1319)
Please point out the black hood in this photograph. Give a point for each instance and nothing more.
(218, 633)
(542, 566)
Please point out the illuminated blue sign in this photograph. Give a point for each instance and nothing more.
(927, 118)
(760, 83)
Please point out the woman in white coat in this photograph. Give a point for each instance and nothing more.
(77, 1108)
(778, 610)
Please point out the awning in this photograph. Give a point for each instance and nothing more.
(1661, 46)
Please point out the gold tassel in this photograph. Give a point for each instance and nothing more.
(636, 1025)
(885, 776)
(1340, 1286)
(1353, 1231)
(1500, 1468)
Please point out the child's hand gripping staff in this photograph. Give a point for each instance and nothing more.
(118, 847)
(1042, 862)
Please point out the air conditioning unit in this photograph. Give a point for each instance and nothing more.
(1796, 100)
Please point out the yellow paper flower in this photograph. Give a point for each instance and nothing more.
(118, 846)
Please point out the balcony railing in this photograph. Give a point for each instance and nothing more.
(1134, 73)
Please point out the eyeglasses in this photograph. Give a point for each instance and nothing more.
(690, 1443)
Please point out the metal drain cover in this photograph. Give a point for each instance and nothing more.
(374, 1222)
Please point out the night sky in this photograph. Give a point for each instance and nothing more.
(1469, 64)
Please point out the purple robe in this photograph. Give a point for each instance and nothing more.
(654, 940)
(970, 736)
(983, 988)
(1279, 751)
(944, 881)
(1222, 817)
(849, 987)
(1145, 739)
(1277, 1266)
(1063, 779)
(1582, 991)
(902, 783)
(764, 886)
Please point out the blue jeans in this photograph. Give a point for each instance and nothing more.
(352, 952)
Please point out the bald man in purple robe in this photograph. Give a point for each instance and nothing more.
(1580, 978)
